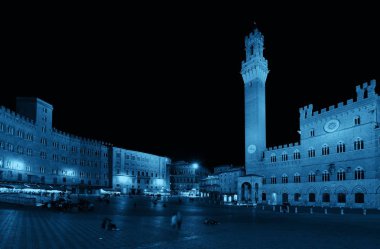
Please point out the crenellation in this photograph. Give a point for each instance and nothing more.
(331, 107)
(323, 110)
(371, 89)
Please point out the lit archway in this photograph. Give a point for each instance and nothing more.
(246, 192)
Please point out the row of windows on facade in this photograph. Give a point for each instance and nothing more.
(16, 166)
(29, 137)
(186, 180)
(132, 157)
(147, 182)
(136, 165)
(341, 197)
(42, 179)
(43, 155)
(183, 171)
(20, 133)
(356, 122)
(9, 165)
(325, 177)
(142, 173)
(74, 149)
(340, 148)
(138, 186)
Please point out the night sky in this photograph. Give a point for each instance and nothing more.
(166, 80)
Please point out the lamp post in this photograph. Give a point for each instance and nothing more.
(195, 182)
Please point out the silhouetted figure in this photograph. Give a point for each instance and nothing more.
(209, 221)
(135, 204)
(164, 205)
(179, 220)
(108, 225)
(176, 221)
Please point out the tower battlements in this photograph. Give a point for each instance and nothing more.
(364, 92)
(255, 65)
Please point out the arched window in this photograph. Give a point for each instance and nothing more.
(341, 175)
(273, 180)
(358, 144)
(273, 158)
(357, 120)
(311, 197)
(284, 156)
(311, 152)
(325, 197)
(311, 177)
(359, 173)
(297, 178)
(359, 198)
(284, 178)
(312, 133)
(325, 150)
(296, 155)
(340, 147)
(325, 176)
(341, 198)
(297, 196)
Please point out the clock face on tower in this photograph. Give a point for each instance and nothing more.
(251, 149)
(331, 125)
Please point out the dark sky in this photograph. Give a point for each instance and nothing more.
(165, 79)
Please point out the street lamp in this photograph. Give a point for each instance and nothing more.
(195, 165)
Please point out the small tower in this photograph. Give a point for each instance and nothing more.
(254, 72)
(38, 110)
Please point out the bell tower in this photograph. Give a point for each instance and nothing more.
(254, 71)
